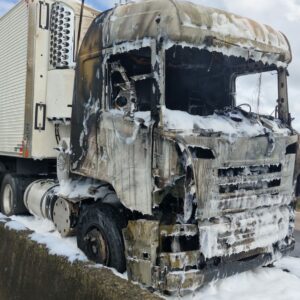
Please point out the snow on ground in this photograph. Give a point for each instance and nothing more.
(259, 284)
(279, 283)
(45, 233)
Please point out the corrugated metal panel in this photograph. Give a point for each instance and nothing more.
(13, 68)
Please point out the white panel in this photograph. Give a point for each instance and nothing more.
(13, 68)
(55, 89)
(60, 94)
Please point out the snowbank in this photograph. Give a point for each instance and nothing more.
(262, 283)
(44, 233)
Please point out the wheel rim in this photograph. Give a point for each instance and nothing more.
(97, 247)
(8, 199)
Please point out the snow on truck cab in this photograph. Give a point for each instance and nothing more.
(169, 171)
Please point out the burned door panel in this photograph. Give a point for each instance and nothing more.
(85, 116)
(125, 128)
(87, 96)
(124, 160)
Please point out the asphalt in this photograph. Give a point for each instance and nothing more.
(297, 221)
(296, 252)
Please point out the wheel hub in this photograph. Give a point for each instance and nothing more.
(97, 246)
(62, 212)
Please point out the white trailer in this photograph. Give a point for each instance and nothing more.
(38, 46)
(35, 89)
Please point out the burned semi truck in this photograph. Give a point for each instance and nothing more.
(165, 174)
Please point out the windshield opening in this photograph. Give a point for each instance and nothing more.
(257, 92)
(200, 82)
(197, 81)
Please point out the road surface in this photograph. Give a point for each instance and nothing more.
(296, 252)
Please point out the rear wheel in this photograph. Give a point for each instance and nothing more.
(100, 237)
(11, 195)
(2, 172)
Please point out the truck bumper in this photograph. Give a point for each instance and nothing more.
(188, 270)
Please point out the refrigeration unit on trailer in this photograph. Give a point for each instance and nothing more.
(179, 166)
(38, 45)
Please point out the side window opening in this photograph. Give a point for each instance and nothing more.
(131, 81)
(123, 92)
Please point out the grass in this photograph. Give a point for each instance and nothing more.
(298, 205)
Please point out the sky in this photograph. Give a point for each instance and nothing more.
(283, 15)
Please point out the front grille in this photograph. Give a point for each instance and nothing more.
(248, 179)
(244, 198)
(244, 231)
(249, 170)
(249, 186)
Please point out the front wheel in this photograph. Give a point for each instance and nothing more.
(100, 237)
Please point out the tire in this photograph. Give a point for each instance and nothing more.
(99, 236)
(2, 167)
(11, 195)
(2, 171)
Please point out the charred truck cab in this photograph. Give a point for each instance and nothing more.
(165, 171)
(203, 186)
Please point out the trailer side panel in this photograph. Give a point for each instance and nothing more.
(13, 70)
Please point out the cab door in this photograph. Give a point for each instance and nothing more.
(125, 130)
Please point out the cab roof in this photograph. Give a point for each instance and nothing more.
(192, 24)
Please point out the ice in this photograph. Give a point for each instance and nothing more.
(183, 121)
